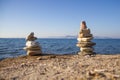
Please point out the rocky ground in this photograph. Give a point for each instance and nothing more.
(64, 67)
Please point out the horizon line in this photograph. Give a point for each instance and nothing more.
(54, 38)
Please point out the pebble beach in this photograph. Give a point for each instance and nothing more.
(61, 67)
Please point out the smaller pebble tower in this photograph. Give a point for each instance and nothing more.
(32, 47)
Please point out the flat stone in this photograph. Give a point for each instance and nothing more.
(87, 49)
(33, 53)
(32, 48)
(85, 39)
(85, 44)
(86, 53)
(84, 35)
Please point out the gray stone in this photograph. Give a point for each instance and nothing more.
(84, 35)
(85, 39)
(86, 53)
(32, 53)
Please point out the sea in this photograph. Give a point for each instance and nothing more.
(13, 47)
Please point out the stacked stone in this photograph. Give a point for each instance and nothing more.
(32, 47)
(84, 40)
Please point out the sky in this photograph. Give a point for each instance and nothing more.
(53, 18)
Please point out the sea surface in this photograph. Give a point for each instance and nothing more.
(12, 47)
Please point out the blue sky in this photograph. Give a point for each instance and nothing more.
(51, 18)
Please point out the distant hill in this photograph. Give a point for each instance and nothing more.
(101, 37)
(75, 36)
(70, 36)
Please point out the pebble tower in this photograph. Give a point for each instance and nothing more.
(32, 47)
(84, 40)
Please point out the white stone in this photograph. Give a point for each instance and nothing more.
(32, 44)
(32, 48)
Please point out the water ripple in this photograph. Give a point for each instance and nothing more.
(14, 47)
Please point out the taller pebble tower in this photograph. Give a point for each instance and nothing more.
(84, 40)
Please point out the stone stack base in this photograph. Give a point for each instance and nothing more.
(84, 53)
(85, 43)
(86, 48)
(32, 51)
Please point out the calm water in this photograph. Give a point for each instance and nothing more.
(14, 47)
